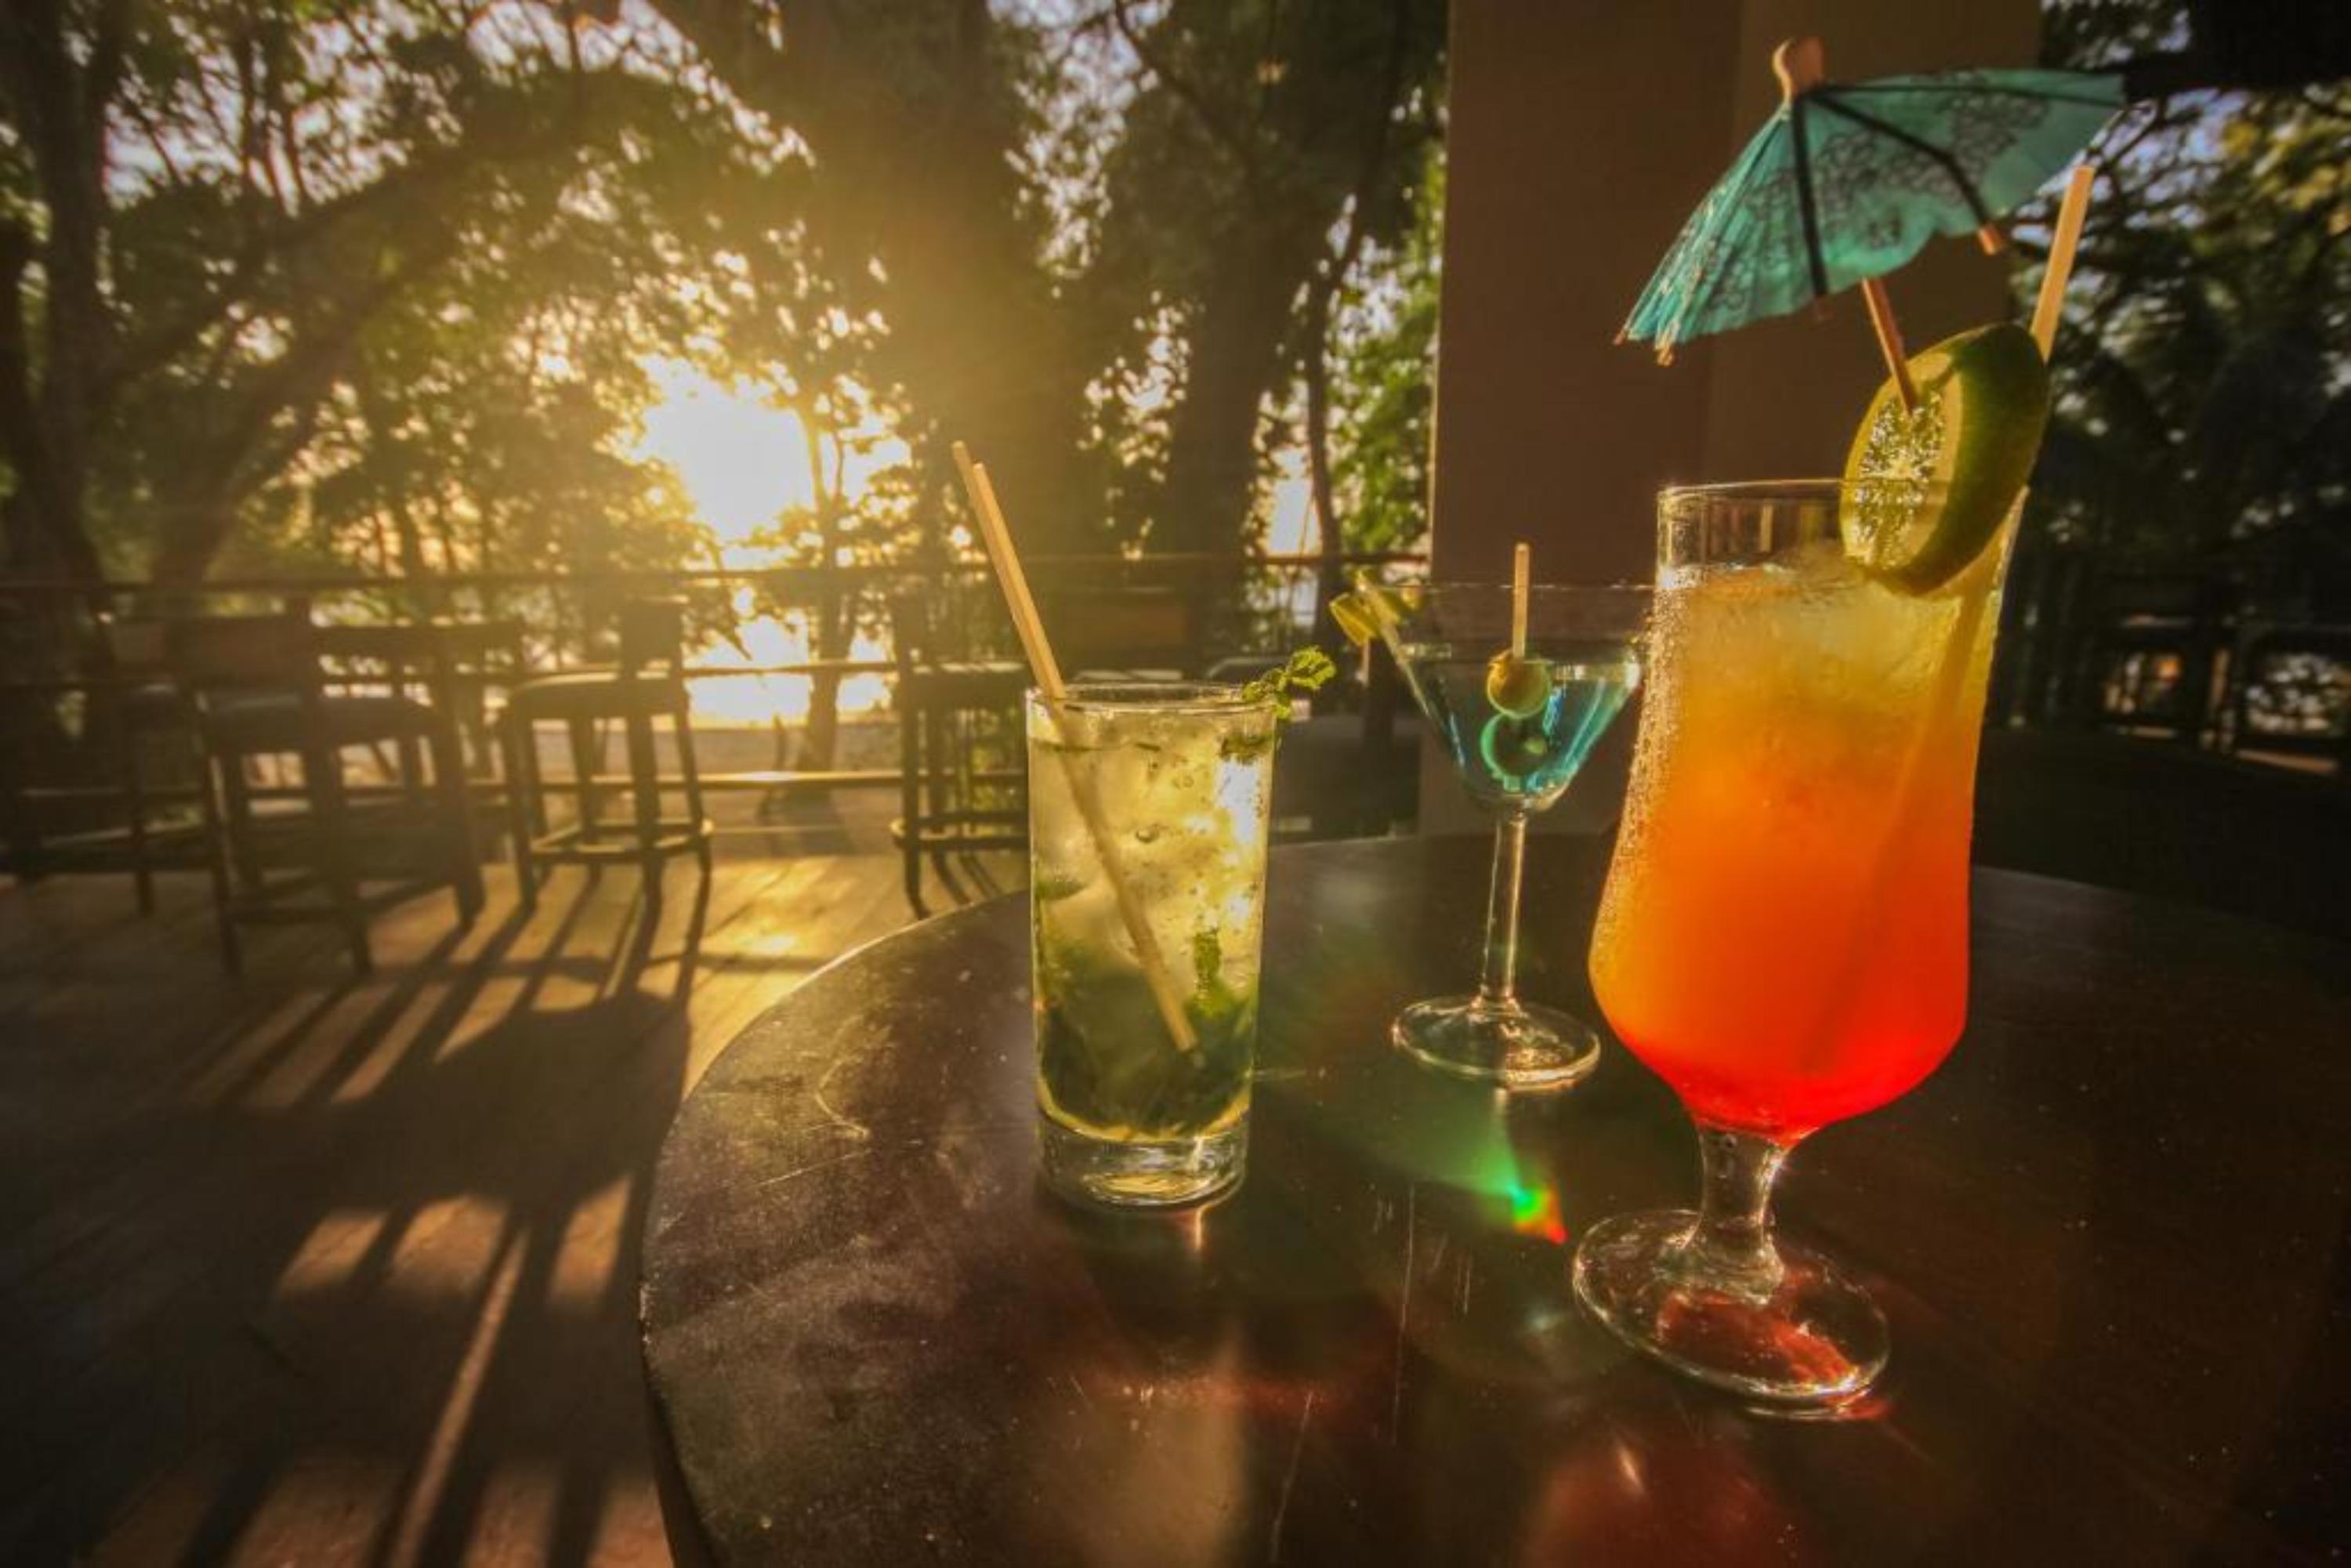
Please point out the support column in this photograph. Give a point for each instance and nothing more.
(1582, 133)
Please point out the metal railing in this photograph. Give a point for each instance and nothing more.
(1266, 601)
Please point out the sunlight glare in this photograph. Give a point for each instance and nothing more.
(742, 460)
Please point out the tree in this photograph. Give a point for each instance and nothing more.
(1372, 493)
(211, 215)
(915, 121)
(1133, 328)
(1271, 143)
(2204, 372)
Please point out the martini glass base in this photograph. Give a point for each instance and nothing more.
(1511, 1045)
(1814, 1338)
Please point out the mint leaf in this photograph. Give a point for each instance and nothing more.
(1308, 670)
(1208, 958)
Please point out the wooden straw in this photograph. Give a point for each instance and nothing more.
(1801, 64)
(1521, 570)
(1958, 648)
(2071, 212)
(1889, 340)
(1030, 629)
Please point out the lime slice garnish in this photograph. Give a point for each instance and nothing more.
(1354, 616)
(1927, 489)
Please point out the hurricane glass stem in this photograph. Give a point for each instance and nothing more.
(1729, 1249)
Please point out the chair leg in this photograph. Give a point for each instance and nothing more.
(24, 846)
(535, 778)
(237, 799)
(644, 787)
(690, 773)
(216, 853)
(134, 799)
(322, 782)
(583, 773)
(457, 804)
(911, 723)
(412, 768)
(515, 739)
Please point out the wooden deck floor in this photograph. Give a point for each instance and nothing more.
(306, 1269)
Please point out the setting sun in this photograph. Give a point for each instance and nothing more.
(741, 459)
(744, 463)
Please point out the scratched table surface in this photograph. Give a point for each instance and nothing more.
(2109, 1235)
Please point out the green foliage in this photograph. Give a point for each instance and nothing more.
(376, 283)
(380, 282)
(1261, 147)
(2203, 374)
(1384, 384)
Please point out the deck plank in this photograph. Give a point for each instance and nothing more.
(304, 1267)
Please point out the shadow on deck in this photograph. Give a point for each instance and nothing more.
(310, 1268)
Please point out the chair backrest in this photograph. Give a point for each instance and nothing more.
(910, 631)
(2294, 692)
(397, 651)
(956, 620)
(1124, 628)
(2119, 600)
(2264, 842)
(140, 645)
(276, 652)
(652, 631)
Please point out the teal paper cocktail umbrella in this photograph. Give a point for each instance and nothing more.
(1848, 180)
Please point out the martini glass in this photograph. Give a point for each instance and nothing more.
(1518, 726)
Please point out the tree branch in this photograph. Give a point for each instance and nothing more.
(19, 423)
(1185, 93)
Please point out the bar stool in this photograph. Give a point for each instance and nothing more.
(258, 688)
(648, 683)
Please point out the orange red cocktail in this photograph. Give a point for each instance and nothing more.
(1783, 937)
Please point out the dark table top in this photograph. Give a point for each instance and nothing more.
(2108, 1236)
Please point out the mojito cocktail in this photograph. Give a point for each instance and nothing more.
(1173, 783)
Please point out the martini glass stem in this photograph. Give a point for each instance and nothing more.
(1498, 987)
(1730, 1248)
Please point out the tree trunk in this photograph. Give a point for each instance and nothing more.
(820, 740)
(1328, 578)
(56, 103)
(185, 553)
(1235, 355)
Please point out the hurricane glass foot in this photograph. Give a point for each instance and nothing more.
(1811, 1337)
(1163, 1174)
(1509, 1044)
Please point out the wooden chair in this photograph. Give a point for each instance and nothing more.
(151, 709)
(259, 687)
(961, 756)
(648, 683)
(2260, 716)
(1123, 632)
(136, 708)
(2146, 649)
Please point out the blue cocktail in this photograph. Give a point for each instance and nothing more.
(1519, 715)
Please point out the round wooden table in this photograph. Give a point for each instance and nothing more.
(2108, 1236)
